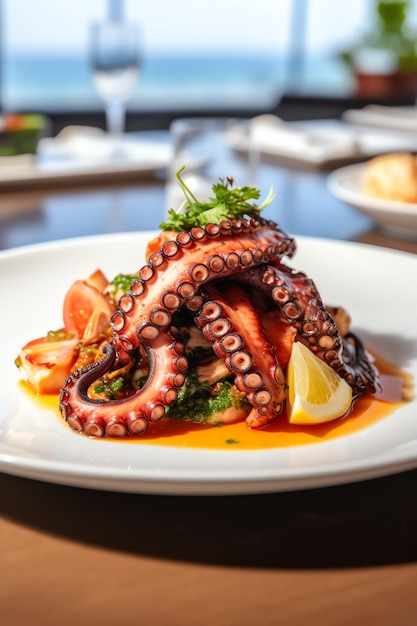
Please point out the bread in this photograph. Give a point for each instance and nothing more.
(391, 177)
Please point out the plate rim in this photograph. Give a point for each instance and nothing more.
(180, 483)
(259, 481)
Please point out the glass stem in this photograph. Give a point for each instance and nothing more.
(115, 117)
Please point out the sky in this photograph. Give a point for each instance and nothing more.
(183, 25)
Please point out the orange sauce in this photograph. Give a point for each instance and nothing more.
(367, 410)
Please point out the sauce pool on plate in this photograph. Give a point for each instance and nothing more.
(366, 410)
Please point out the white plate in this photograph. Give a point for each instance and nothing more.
(374, 284)
(398, 219)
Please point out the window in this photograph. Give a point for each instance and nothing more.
(197, 54)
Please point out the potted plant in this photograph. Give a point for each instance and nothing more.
(384, 61)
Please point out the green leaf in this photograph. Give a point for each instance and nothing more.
(228, 201)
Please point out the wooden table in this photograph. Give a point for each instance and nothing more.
(332, 556)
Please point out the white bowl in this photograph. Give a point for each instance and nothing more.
(398, 219)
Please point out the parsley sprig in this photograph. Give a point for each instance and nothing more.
(228, 201)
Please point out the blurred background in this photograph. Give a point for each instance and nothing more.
(307, 74)
(298, 58)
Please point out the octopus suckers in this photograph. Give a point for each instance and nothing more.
(226, 226)
(181, 364)
(280, 295)
(75, 423)
(126, 303)
(179, 380)
(183, 239)
(171, 396)
(246, 257)
(197, 233)
(325, 342)
(171, 300)
(291, 311)
(170, 249)
(262, 397)
(116, 429)
(199, 273)
(126, 343)
(240, 361)
(257, 255)
(195, 303)
(178, 278)
(331, 356)
(146, 272)
(210, 311)
(230, 343)
(309, 328)
(157, 412)
(186, 289)
(252, 381)
(156, 259)
(178, 347)
(212, 230)
(217, 329)
(148, 332)
(216, 263)
(137, 287)
(138, 425)
(118, 321)
(160, 317)
(92, 429)
(232, 261)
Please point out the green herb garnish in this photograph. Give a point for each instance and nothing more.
(120, 285)
(122, 282)
(195, 401)
(228, 202)
(110, 388)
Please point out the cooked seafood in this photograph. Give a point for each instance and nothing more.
(205, 330)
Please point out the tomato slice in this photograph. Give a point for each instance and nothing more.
(98, 280)
(47, 362)
(86, 312)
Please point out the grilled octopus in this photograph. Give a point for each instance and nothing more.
(222, 275)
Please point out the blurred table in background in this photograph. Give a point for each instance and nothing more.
(303, 206)
(339, 555)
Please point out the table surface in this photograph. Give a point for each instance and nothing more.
(338, 555)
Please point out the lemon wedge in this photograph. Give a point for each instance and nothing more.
(316, 393)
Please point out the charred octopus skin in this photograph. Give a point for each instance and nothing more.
(189, 272)
(230, 322)
(172, 279)
(220, 255)
(299, 302)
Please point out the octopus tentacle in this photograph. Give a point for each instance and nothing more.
(233, 327)
(185, 273)
(165, 285)
(300, 304)
(145, 314)
(130, 415)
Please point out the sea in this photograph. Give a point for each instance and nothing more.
(167, 82)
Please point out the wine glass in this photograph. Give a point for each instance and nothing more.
(116, 60)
